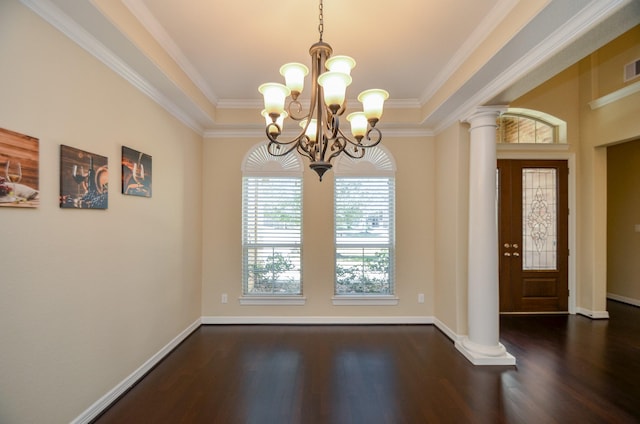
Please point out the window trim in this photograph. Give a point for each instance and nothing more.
(294, 299)
(365, 300)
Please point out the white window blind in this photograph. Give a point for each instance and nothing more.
(272, 235)
(364, 235)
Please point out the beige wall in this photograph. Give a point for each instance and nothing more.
(222, 249)
(87, 296)
(623, 208)
(601, 126)
(611, 61)
(452, 217)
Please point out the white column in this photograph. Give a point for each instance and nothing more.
(482, 345)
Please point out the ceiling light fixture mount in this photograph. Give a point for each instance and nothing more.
(321, 139)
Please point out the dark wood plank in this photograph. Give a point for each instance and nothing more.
(570, 369)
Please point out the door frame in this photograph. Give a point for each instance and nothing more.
(533, 152)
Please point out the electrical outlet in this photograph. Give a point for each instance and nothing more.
(224, 298)
(420, 297)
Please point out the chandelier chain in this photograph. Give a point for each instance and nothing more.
(321, 19)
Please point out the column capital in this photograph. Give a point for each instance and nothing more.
(484, 116)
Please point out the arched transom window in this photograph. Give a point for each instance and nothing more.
(523, 126)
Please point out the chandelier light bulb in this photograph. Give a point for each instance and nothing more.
(294, 74)
(334, 85)
(311, 129)
(373, 103)
(274, 97)
(358, 121)
(342, 64)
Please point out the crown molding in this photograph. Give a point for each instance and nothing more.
(157, 31)
(579, 24)
(495, 16)
(62, 22)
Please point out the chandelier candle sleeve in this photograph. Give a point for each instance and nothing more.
(342, 64)
(372, 103)
(335, 87)
(358, 121)
(294, 74)
(274, 97)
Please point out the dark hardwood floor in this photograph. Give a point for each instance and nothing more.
(570, 369)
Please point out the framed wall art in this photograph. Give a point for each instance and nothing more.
(136, 173)
(19, 170)
(84, 179)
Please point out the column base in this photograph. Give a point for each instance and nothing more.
(484, 355)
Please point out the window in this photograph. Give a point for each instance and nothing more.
(271, 224)
(364, 202)
(524, 126)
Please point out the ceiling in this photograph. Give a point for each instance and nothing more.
(438, 60)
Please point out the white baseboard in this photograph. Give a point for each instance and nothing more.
(623, 299)
(291, 320)
(481, 357)
(593, 314)
(105, 401)
(101, 404)
(447, 331)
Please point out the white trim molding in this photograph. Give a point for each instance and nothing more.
(272, 300)
(316, 320)
(447, 331)
(103, 403)
(365, 300)
(623, 299)
(592, 314)
(615, 96)
(482, 355)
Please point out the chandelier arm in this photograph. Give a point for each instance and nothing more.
(329, 133)
(293, 114)
(303, 148)
(282, 148)
(358, 151)
(335, 126)
(276, 151)
(350, 140)
(300, 138)
(373, 142)
(301, 144)
(339, 145)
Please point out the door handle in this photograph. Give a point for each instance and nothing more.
(507, 254)
(516, 254)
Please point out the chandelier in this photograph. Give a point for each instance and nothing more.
(321, 139)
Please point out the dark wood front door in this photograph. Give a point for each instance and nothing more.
(533, 235)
